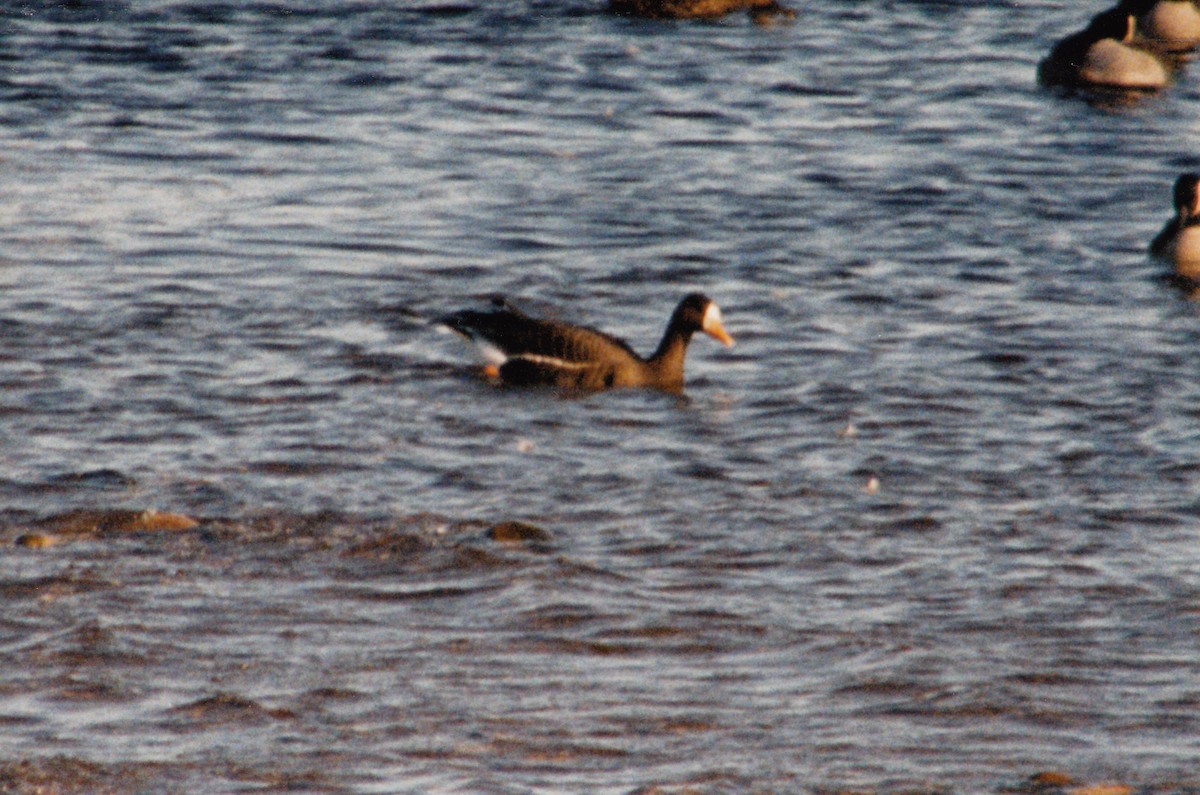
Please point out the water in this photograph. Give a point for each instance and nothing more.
(931, 525)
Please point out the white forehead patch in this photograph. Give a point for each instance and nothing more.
(711, 315)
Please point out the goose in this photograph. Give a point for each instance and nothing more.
(1102, 55)
(1172, 26)
(527, 351)
(1179, 241)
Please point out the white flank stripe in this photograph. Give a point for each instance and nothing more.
(552, 361)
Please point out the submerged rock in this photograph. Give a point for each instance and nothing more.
(229, 707)
(36, 540)
(1054, 782)
(759, 10)
(87, 522)
(1050, 778)
(517, 533)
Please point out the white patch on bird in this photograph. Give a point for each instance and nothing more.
(490, 353)
(711, 325)
(552, 361)
(711, 315)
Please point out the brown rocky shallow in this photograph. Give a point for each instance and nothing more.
(90, 523)
(65, 775)
(93, 522)
(96, 523)
(481, 545)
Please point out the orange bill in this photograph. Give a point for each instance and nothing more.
(715, 329)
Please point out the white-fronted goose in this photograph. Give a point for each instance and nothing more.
(525, 351)
(1179, 241)
(1103, 55)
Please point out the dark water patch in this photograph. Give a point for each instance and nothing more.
(332, 695)
(296, 469)
(1133, 517)
(521, 241)
(558, 617)
(915, 524)
(437, 593)
(367, 245)
(79, 690)
(726, 560)
(49, 587)
(554, 752)
(156, 154)
(1004, 360)
(444, 10)
(662, 640)
(339, 52)
(144, 439)
(683, 634)
(23, 722)
(695, 115)
(1051, 679)
(95, 479)
(23, 91)
(880, 691)
(699, 143)
(585, 648)
(90, 11)
(372, 80)
(156, 57)
(869, 299)
(207, 13)
(703, 471)
(803, 90)
(275, 138)
(295, 394)
(683, 724)
(88, 645)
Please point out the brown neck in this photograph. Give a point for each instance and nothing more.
(667, 361)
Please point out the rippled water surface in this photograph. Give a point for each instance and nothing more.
(930, 526)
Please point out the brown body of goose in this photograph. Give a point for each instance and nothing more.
(527, 351)
(1179, 241)
(1172, 26)
(699, 9)
(1104, 55)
